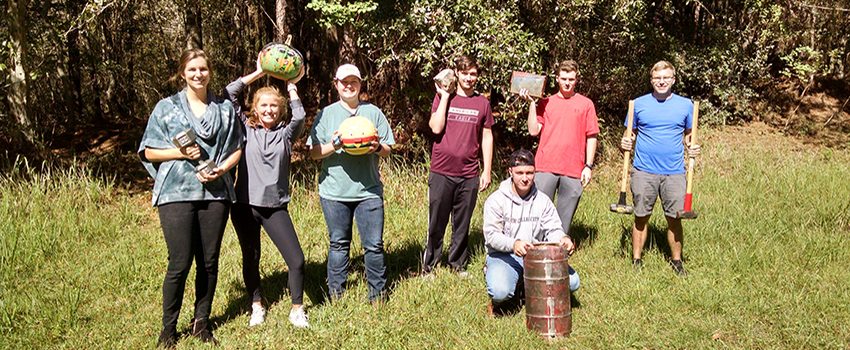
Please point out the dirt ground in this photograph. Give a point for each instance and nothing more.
(819, 115)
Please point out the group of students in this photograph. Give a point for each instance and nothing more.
(516, 216)
(193, 202)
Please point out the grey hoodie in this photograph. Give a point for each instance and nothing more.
(509, 217)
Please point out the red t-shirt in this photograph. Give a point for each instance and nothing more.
(566, 123)
(454, 152)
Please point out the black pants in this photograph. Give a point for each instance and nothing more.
(192, 230)
(449, 195)
(247, 220)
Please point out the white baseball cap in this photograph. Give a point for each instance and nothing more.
(347, 70)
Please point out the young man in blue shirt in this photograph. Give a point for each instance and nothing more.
(662, 122)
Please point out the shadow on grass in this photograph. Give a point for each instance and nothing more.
(656, 240)
(401, 261)
(583, 236)
(475, 246)
(274, 289)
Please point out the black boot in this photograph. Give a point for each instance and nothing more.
(201, 329)
(167, 338)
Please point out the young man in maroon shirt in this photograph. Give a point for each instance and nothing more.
(460, 123)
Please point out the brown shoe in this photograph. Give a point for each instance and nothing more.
(493, 310)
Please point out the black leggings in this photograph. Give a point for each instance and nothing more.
(192, 230)
(278, 225)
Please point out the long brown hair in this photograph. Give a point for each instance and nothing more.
(185, 57)
(253, 116)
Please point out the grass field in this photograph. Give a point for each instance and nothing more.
(82, 262)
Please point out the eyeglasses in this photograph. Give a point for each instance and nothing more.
(665, 79)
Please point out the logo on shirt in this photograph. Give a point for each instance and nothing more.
(522, 219)
(463, 115)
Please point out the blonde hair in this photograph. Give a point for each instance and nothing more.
(253, 116)
(662, 65)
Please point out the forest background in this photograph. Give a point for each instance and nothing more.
(81, 77)
(81, 251)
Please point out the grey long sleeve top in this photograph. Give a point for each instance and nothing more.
(509, 217)
(263, 173)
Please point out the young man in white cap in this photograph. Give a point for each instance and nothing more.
(350, 187)
(460, 123)
(515, 217)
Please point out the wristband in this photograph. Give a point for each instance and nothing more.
(291, 87)
(337, 143)
(589, 166)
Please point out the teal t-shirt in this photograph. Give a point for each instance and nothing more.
(345, 177)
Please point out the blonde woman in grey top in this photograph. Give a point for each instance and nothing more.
(262, 188)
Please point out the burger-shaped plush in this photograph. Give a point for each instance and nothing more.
(281, 61)
(357, 134)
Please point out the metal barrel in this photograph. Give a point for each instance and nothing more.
(547, 291)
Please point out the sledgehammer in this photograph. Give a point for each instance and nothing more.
(688, 213)
(621, 207)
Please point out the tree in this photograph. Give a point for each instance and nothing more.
(193, 29)
(19, 92)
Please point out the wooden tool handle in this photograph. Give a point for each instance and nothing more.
(693, 142)
(694, 127)
(629, 119)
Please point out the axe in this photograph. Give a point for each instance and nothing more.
(621, 207)
(688, 213)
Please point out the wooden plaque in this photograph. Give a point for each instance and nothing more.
(535, 84)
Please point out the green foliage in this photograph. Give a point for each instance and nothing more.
(413, 40)
(434, 33)
(335, 13)
(99, 67)
(803, 62)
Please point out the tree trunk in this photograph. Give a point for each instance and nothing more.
(281, 24)
(194, 33)
(347, 44)
(74, 92)
(19, 90)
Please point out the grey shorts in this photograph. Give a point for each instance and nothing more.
(647, 187)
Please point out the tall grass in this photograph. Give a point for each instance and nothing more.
(82, 261)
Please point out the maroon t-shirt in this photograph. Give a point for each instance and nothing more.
(455, 151)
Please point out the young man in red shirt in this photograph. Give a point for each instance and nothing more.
(566, 123)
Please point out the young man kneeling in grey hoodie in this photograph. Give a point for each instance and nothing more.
(515, 217)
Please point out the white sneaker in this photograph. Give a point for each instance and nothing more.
(257, 316)
(298, 318)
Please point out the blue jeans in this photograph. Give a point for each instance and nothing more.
(503, 273)
(369, 216)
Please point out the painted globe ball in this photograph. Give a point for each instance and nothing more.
(357, 134)
(281, 61)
